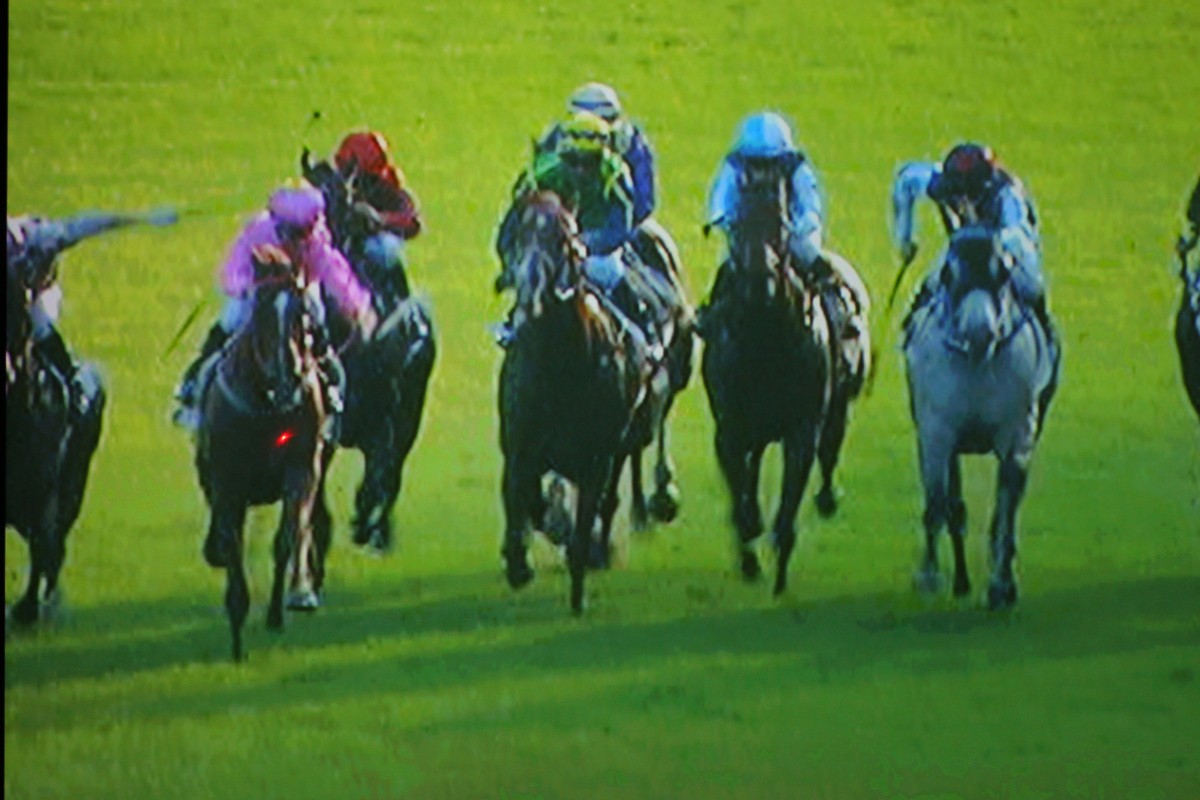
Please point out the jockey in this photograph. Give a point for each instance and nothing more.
(594, 181)
(372, 224)
(294, 222)
(970, 186)
(764, 149)
(32, 246)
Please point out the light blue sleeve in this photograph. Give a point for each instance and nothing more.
(722, 198)
(912, 181)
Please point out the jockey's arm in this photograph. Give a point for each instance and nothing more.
(640, 159)
(912, 181)
(804, 214)
(722, 197)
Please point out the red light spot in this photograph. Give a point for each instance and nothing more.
(284, 437)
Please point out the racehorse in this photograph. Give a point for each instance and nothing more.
(1187, 331)
(570, 387)
(981, 374)
(655, 275)
(51, 430)
(387, 375)
(767, 371)
(261, 441)
(386, 381)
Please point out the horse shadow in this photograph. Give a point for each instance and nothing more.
(527, 639)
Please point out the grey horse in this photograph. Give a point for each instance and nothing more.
(981, 374)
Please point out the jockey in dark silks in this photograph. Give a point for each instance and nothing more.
(370, 210)
(32, 247)
(970, 186)
(764, 152)
(295, 224)
(594, 181)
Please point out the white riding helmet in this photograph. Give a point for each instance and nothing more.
(596, 98)
(764, 135)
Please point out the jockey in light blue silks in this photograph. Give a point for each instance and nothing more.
(32, 247)
(764, 150)
(971, 187)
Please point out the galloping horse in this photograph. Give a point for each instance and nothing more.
(386, 382)
(386, 376)
(261, 441)
(767, 370)
(981, 374)
(49, 441)
(1187, 331)
(570, 387)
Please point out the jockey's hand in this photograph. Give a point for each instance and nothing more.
(908, 251)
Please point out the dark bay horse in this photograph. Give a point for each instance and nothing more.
(51, 431)
(981, 374)
(767, 370)
(261, 441)
(570, 388)
(1187, 331)
(387, 375)
(386, 382)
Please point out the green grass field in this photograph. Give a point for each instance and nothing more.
(424, 676)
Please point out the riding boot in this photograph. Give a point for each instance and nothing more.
(188, 393)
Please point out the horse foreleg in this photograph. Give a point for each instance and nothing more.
(590, 490)
(294, 539)
(322, 528)
(799, 452)
(638, 517)
(237, 597)
(740, 467)
(833, 433)
(664, 504)
(1013, 475)
(935, 455)
(377, 495)
(521, 492)
(600, 554)
(956, 513)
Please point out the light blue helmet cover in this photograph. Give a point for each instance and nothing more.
(764, 135)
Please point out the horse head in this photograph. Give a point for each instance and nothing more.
(544, 261)
(757, 234)
(278, 331)
(982, 303)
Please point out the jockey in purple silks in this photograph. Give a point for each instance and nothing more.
(294, 222)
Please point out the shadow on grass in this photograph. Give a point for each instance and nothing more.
(682, 615)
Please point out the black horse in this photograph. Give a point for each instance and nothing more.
(261, 440)
(767, 370)
(387, 376)
(386, 382)
(51, 430)
(1187, 331)
(571, 386)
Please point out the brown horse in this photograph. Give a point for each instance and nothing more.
(261, 441)
(571, 386)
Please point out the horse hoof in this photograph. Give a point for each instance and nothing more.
(518, 572)
(664, 505)
(928, 582)
(305, 600)
(751, 569)
(827, 504)
(1002, 596)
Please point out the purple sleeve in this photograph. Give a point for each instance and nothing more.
(332, 269)
(237, 273)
